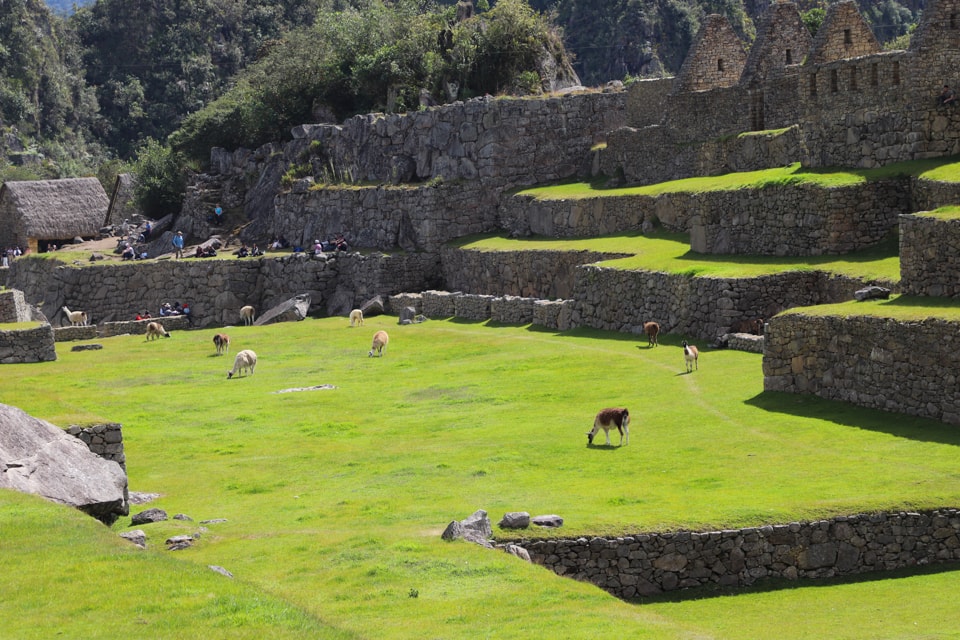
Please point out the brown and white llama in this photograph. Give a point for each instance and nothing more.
(222, 342)
(607, 419)
(247, 314)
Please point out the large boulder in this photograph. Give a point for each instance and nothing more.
(292, 310)
(39, 458)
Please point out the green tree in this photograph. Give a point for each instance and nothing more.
(370, 55)
(161, 179)
(813, 19)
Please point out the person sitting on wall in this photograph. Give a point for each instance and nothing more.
(947, 96)
(242, 252)
(128, 253)
(341, 243)
(256, 251)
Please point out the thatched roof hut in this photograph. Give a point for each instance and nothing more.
(38, 213)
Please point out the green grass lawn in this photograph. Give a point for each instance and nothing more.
(945, 169)
(670, 252)
(335, 499)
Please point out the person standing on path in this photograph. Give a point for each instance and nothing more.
(178, 244)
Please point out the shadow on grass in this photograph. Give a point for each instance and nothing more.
(780, 584)
(843, 413)
(603, 446)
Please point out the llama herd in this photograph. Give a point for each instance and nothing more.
(245, 362)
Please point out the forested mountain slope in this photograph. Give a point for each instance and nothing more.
(77, 91)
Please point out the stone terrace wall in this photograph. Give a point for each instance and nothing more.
(485, 145)
(217, 288)
(878, 363)
(523, 215)
(931, 194)
(552, 314)
(28, 345)
(616, 300)
(385, 217)
(645, 101)
(506, 141)
(797, 220)
(657, 153)
(651, 563)
(533, 274)
(622, 301)
(929, 256)
(139, 327)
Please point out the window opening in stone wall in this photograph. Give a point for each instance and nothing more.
(719, 64)
(853, 78)
(834, 84)
(813, 84)
(953, 21)
(896, 73)
(847, 37)
(874, 74)
(789, 56)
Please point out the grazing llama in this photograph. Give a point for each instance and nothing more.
(691, 355)
(380, 341)
(245, 359)
(246, 315)
(652, 329)
(155, 330)
(608, 419)
(356, 318)
(76, 318)
(222, 342)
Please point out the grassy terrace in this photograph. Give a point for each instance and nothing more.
(670, 252)
(939, 169)
(334, 500)
(904, 308)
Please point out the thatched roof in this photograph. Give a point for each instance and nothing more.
(55, 209)
(123, 206)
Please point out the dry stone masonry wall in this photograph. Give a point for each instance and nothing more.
(217, 288)
(929, 255)
(105, 440)
(27, 345)
(647, 564)
(874, 362)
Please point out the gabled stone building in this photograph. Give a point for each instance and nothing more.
(37, 214)
(836, 99)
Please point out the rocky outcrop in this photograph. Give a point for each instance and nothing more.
(39, 458)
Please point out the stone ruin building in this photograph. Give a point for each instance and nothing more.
(833, 100)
